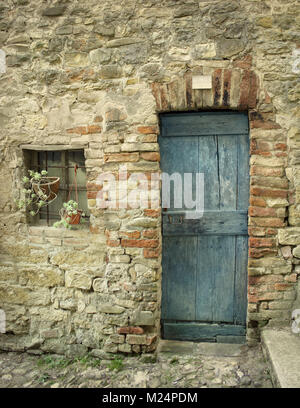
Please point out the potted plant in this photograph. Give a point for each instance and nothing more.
(70, 215)
(42, 183)
(39, 191)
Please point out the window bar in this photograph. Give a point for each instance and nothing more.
(66, 162)
(47, 206)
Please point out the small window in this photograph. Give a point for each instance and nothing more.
(61, 164)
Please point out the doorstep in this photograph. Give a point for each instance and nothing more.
(207, 349)
(282, 350)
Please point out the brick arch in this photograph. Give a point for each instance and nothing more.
(235, 88)
(238, 88)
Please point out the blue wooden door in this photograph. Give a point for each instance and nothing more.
(204, 266)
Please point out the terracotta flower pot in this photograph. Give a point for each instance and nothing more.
(73, 219)
(49, 186)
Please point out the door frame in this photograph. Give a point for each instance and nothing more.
(238, 336)
(235, 87)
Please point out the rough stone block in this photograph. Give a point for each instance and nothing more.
(78, 280)
(135, 339)
(296, 251)
(289, 236)
(142, 318)
(108, 308)
(54, 11)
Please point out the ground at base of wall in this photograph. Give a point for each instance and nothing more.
(248, 369)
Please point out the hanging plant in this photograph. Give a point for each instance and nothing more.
(39, 191)
(70, 214)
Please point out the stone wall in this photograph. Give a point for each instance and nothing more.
(95, 75)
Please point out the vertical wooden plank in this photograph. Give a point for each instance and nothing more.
(179, 155)
(240, 289)
(205, 278)
(223, 254)
(243, 172)
(240, 298)
(179, 278)
(208, 164)
(228, 169)
(215, 278)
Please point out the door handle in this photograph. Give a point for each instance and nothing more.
(175, 219)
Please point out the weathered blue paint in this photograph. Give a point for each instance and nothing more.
(204, 277)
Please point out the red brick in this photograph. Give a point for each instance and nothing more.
(151, 213)
(156, 93)
(281, 154)
(151, 253)
(130, 330)
(253, 145)
(264, 124)
(262, 212)
(261, 153)
(271, 231)
(173, 93)
(92, 194)
(94, 129)
(266, 171)
(291, 278)
(216, 86)
(268, 222)
(113, 243)
(253, 299)
(151, 156)
(80, 130)
(140, 243)
(281, 146)
(262, 242)
(253, 280)
(252, 99)
(226, 87)
(150, 233)
(283, 286)
(264, 192)
(93, 186)
(257, 202)
(121, 157)
(145, 130)
(244, 90)
(188, 88)
(244, 63)
(133, 234)
(259, 253)
(164, 97)
(256, 280)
